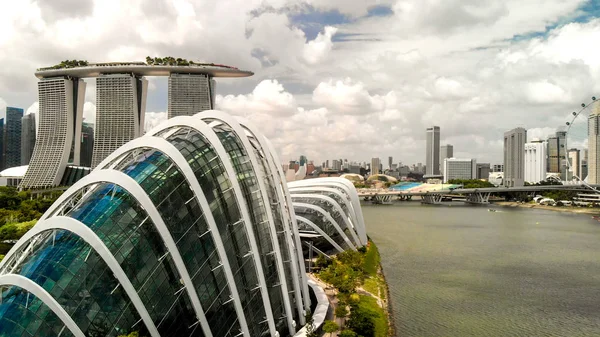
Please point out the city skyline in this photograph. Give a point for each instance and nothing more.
(326, 68)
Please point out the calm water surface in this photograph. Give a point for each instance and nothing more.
(463, 271)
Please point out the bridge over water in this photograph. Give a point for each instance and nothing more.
(470, 195)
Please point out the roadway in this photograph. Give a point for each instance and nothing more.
(493, 190)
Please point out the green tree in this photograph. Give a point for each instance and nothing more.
(341, 276)
(352, 259)
(347, 333)
(131, 334)
(330, 327)
(341, 311)
(362, 320)
(322, 262)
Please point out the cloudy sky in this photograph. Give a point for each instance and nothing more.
(336, 78)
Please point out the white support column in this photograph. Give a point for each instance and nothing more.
(345, 198)
(300, 282)
(337, 208)
(235, 126)
(329, 218)
(162, 145)
(294, 227)
(169, 150)
(129, 184)
(88, 235)
(347, 186)
(320, 231)
(39, 292)
(209, 134)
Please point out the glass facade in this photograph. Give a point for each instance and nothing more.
(194, 211)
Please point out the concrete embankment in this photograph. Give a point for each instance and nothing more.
(568, 209)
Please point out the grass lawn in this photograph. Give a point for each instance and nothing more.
(381, 323)
(371, 261)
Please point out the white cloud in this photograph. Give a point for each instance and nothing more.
(3, 106)
(269, 96)
(345, 97)
(365, 88)
(540, 133)
(33, 109)
(152, 119)
(89, 112)
(318, 49)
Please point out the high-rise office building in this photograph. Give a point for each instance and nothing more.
(593, 163)
(303, 160)
(375, 164)
(190, 94)
(535, 162)
(12, 137)
(336, 165)
(455, 168)
(120, 110)
(514, 161)
(390, 160)
(556, 152)
(87, 144)
(498, 168)
(446, 151)
(574, 163)
(60, 113)
(432, 151)
(584, 165)
(2, 163)
(483, 170)
(27, 138)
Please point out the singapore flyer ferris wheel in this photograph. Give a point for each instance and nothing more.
(582, 146)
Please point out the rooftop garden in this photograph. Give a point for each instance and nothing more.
(171, 61)
(67, 64)
(151, 61)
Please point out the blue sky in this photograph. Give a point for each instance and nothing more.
(351, 79)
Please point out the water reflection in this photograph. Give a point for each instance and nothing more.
(464, 271)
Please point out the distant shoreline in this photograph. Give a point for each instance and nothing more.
(567, 209)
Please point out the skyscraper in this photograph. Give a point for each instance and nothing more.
(390, 160)
(2, 141)
(120, 103)
(61, 110)
(574, 163)
(514, 161)
(535, 162)
(446, 151)
(375, 164)
(87, 144)
(189, 94)
(432, 151)
(593, 164)
(459, 169)
(120, 110)
(483, 170)
(27, 138)
(584, 165)
(303, 160)
(556, 152)
(12, 135)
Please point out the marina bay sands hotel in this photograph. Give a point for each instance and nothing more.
(121, 90)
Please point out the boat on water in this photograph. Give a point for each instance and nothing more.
(492, 210)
